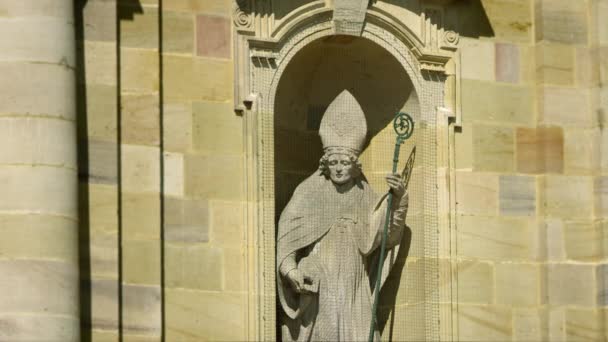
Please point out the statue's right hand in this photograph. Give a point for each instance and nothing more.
(296, 279)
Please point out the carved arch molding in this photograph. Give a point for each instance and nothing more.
(265, 41)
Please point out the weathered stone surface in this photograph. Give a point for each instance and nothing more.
(141, 262)
(517, 284)
(139, 70)
(569, 197)
(141, 30)
(555, 64)
(178, 32)
(497, 102)
(26, 189)
(517, 195)
(601, 273)
(31, 140)
(540, 150)
(102, 165)
(141, 216)
(477, 59)
(214, 176)
(100, 21)
(195, 267)
(562, 21)
(101, 107)
(214, 126)
(464, 152)
(584, 240)
(39, 287)
(140, 120)
(212, 36)
(584, 325)
(140, 168)
(475, 282)
(189, 78)
(189, 317)
(51, 85)
(173, 177)
(100, 58)
(186, 220)
(29, 327)
(511, 20)
(570, 284)
(141, 310)
(177, 126)
(600, 196)
(484, 323)
(497, 238)
(102, 211)
(476, 193)
(493, 148)
(103, 253)
(104, 304)
(507, 63)
(587, 66)
(38, 237)
(582, 151)
(228, 222)
(555, 240)
(565, 106)
(529, 325)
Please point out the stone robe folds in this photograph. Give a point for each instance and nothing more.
(333, 238)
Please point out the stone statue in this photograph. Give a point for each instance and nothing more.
(329, 234)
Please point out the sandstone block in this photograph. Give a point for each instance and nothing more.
(587, 66)
(475, 282)
(530, 325)
(38, 237)
(102, 211)
(565, 106)
(102, 166)
(173, 174)
(141, 310)
(556, 250)
(140, 120)
(100, 63)
(600, 195)
(140, 216)
(602, 12)
(196, 267)
(39, 141)
(178, 32)
(104, 335)
(35, 8)
(186, 220)
(141, 31)
(493, 148)
(569, 197)
(214, 176)
(40, 189)
(177, 126)
(582, 151)
(555, 64)
(104, 304)
(497, 102)
(188, 78)
(36, 327)
(220, 7)
(601, 273)
(584, 325)
(39, 287)
(100, 111)
(141, 262)
(51, 85)
(517, 195)
(464, 152)
(103, 253)
(477, 58)
(476, 193)
(216, 128)
(511, 20)
(604, 144)
(497, 238)
(139, 70)
(583, 240)
(228, 222)
(100, 21)
(213, 36)
(517, 284)
(140, 168)
(540, 150)
(507, 63)
(562, 21)
(484, 323)
(188, 311)
(570, 284)
(235, 269)
(528, 63)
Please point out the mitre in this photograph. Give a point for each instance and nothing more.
(343, 127)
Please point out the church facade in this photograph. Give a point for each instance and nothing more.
(148, 148)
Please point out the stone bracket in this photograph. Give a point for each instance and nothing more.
(349, 16)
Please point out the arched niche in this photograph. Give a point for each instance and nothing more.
(290, 74)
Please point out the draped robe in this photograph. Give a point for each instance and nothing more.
(333, 238)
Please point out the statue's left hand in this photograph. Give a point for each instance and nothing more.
(395, 183)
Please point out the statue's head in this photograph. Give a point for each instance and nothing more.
(341, 168)
(343, 131)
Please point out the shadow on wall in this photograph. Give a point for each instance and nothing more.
(86, 174)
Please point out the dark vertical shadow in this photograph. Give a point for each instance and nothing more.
(162, 168)
(84, 238)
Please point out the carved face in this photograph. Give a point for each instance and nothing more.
(341, 168)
